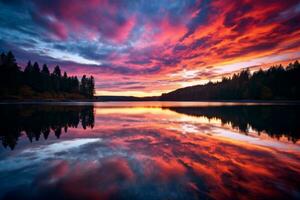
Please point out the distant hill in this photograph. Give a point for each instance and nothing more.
(125, 98)
(276, 83)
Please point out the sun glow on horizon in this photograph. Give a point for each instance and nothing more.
(128, 93)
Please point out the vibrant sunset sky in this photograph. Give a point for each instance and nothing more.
(146, 47)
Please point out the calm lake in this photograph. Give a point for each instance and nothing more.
(149, 150)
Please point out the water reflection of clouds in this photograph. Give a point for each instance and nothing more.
(152, 159)
(159, 163)
(44, 152)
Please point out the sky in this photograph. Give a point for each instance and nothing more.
(148, 47)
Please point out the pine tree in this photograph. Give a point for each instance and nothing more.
(56, 79)
(83, 85)
(46, 84)
(36, 68)
(65, 82)
(57, 71)
(11, 62)
(9, 74)
(91, 87)
(75, 85)
(29, 67)
(45, 70)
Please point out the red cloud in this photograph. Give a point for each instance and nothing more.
(160, 42)
(88, 19)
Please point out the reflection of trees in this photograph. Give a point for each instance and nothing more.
(276, 121)
(35, 121)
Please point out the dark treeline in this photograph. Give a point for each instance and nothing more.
(36, 121)
(276, 121)
(276, 83)
(38, 82)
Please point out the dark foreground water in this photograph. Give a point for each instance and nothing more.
(149, 151)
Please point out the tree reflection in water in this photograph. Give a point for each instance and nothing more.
(37, 120)
(276, 121)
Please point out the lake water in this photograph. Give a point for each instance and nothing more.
(149, 150)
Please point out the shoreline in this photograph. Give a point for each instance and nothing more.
(164, 101)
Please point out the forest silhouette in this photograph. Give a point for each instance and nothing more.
(36, 83)
(276, 83)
